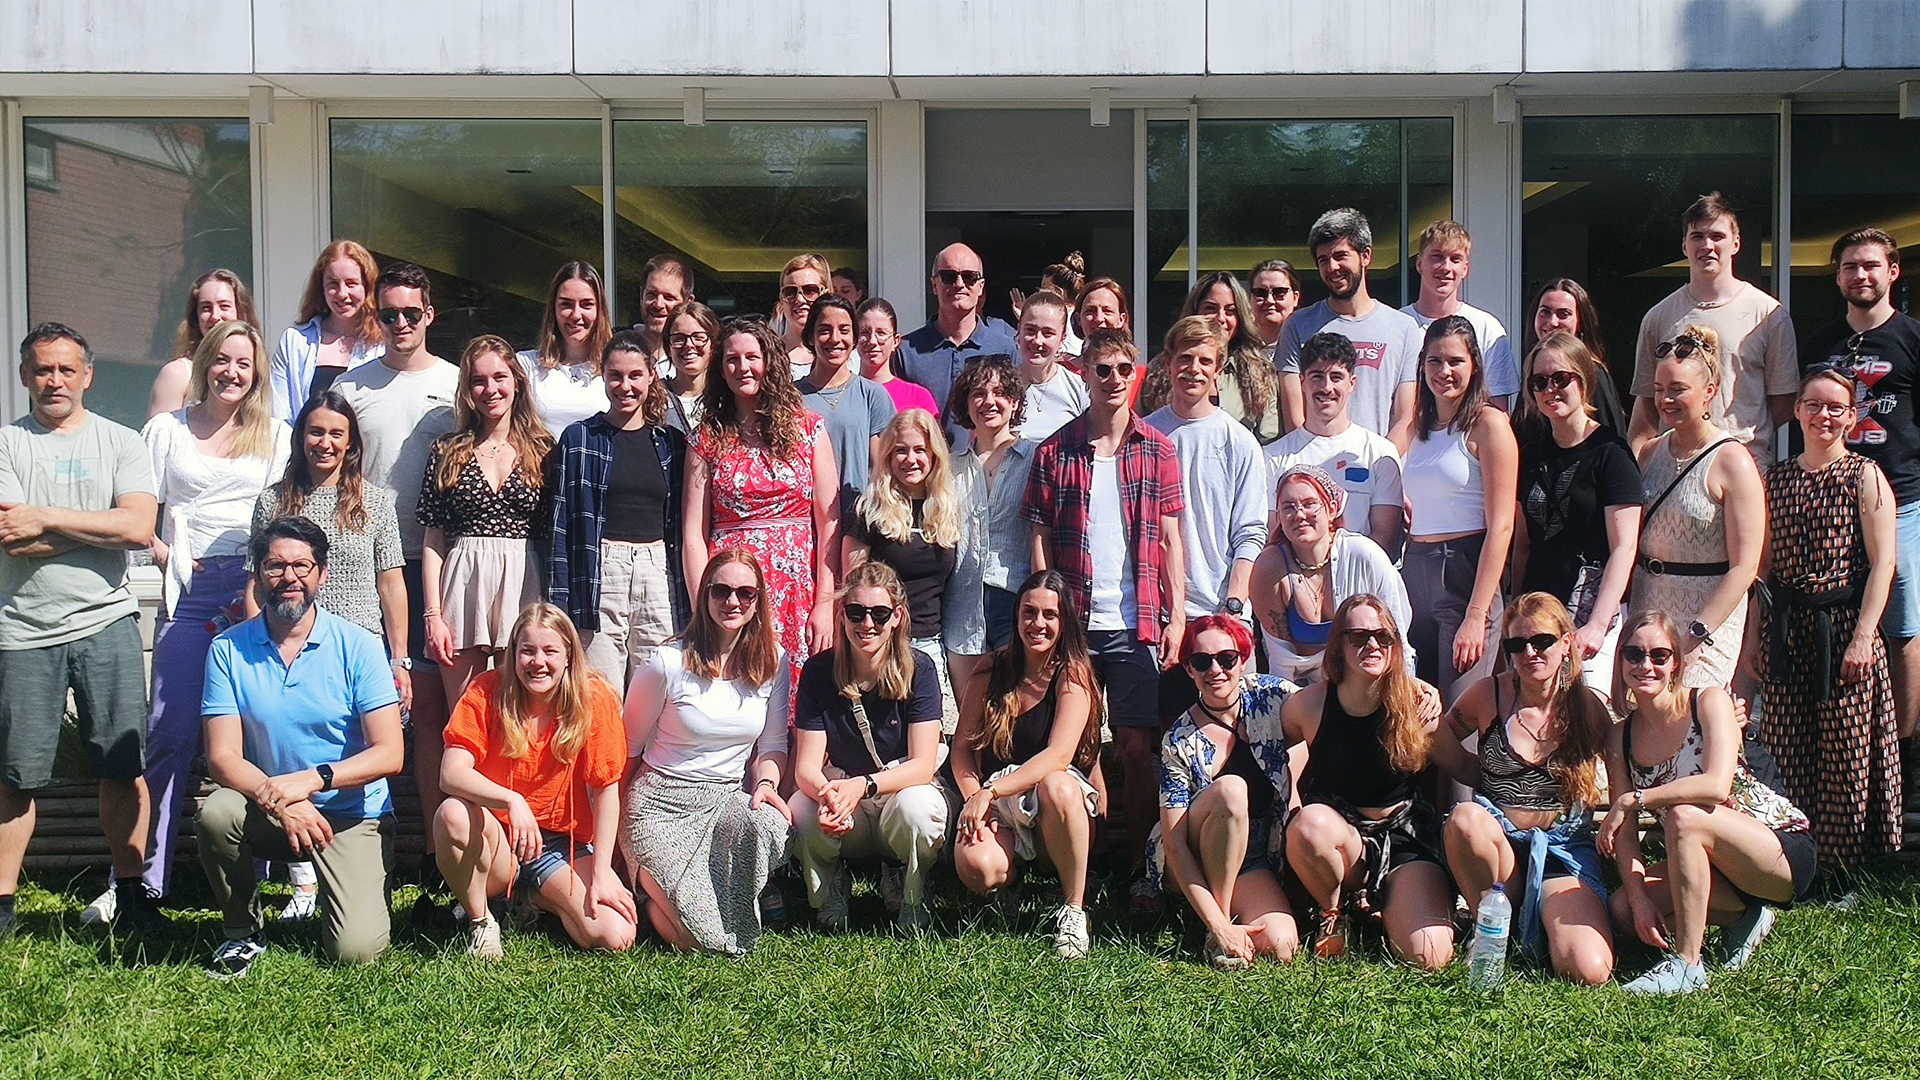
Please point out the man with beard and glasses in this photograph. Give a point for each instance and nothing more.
(1881, 347)
(1386, 342)
(303, 728)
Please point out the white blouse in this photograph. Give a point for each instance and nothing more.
(564, 394)
(706, 729)
(208, 501)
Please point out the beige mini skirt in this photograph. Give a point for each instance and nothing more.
(484, 583)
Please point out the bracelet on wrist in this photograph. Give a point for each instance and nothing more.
(764, 781)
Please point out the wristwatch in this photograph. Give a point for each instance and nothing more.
(326, 776)
(1698, 631)
(404, 663)
(1234, 606)
(873, 786)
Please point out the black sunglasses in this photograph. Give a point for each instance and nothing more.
(1558, 380)
(878, 614)
(747, 595)
(1683, 346)
(391, 316)
(1634, 654)
(1360, 639)
(1539, 643)
(1278, 292)
(969, 278)
(1202, 662)
(1105, 371)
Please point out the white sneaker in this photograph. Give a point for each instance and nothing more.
(102, 910)
(483, 939)
(303, 907)
(1070, 938)
(1670, 976)
(1740, 939)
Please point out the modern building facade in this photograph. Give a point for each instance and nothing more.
(143, 142)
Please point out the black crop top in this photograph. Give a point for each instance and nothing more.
(1032, 730)
(1508, 780)
(1347, 759)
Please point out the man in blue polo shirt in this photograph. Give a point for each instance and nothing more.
(303, 728)
(935, 353)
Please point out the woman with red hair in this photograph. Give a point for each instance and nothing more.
(1225, 791)
(336, 329)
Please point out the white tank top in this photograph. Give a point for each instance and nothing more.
(1442, 481)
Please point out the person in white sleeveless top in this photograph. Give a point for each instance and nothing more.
(563, 371)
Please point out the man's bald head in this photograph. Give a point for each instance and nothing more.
(959, 280)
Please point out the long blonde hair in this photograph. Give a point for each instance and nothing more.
(1406, 738)
(895, 677)
(887, 509)
(1577, 713)
(525, 433)
(254, 418)
(572, 707)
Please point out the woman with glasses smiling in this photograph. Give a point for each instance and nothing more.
(1829, 566)
(693, 339)
(1579, 501)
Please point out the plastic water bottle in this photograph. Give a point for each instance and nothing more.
(1487, 955)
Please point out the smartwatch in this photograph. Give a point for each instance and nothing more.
(1235, 607)
(326, 776)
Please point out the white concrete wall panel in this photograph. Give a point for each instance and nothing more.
(1252, 37)
(1882, 34)
(1689, 35)
(1022, 37)
(730, 37)
(123, 36)
(432, 37)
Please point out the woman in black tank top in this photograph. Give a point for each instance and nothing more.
(1364, 841)
(1536, 779)
(1027, 743)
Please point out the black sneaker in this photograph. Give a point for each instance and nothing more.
(233, 959)
(136, 910)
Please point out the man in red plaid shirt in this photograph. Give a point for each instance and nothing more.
(1104, 499)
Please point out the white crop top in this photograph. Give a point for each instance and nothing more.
(1442, 481)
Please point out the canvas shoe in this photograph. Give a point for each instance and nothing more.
(1070, 938)
(233, 959)
(304, 905)
(1741, 938)
(102, 910)
(1144, 898)
(483, 939)
(1670, 976)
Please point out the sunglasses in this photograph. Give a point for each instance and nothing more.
(746, 595)
(1558, 380)
(878, 614)
(1202, 662)
(1634, 654)
(1278, 292)
(1360, 639)
(969, 278)
(1539, 643)
(1683, 346)
(811, 292)
(392, 316)
(1125, 368)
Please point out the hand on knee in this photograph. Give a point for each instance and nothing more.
(1277, 938)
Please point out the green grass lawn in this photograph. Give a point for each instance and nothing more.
(1831, 995)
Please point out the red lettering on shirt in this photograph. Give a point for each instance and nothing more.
(1370, 353)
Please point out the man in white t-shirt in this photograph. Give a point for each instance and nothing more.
(1054, 394)
(404, 402)
(1759, 359)
(1444, 260)
(1366, 465)
(1386, 342)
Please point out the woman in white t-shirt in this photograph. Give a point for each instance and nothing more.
(706, 716)
(563, 371)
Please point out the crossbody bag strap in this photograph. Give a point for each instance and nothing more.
(866, 731)
(1705, 453)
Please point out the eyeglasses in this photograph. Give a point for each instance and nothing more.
(391, 316)
(1360, 639)
(1303, 506)
(811, 292)
(969, 278)
(1278, 292)
(1826, 408)
(1558, 380)
(680, 341)
(1202, 662)
(1683, 346)
(278, 571)
(745, 595)
(1125, 368)
(878, 614)
(1634, 654)
(1539, 643)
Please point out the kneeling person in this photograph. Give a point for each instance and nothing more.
(303, 728)
(528, 750)
(866, 744)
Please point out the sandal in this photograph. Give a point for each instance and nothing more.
(1331, 941)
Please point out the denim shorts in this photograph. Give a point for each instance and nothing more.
(999, 604)
(557, 851)
(1902, 617)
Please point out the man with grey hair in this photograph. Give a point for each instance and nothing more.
(76, 494)
(935, 353)
(1386, 341)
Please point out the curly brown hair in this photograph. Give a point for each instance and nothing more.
(778, 407)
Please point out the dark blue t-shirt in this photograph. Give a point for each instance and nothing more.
(823, 708)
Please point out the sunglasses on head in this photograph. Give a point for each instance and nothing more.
(1539, 643)
(1360, 639)
(1106, 371)
(1683, 346)
(1634, 654)
(969, 278)
(1277, 292)
(747, 595)
(392, 316)
(811, 292)
(1202, 662)
(878, 614)
(1558, 380)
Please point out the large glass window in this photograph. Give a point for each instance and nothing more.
(1850, 172)
(490, 208)
(1263, 182)
(1602, 199)
(737, 200)
(122, 216)
(1168, 249)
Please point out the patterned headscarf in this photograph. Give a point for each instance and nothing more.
(1330, 490)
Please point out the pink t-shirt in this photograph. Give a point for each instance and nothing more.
(911, 395)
